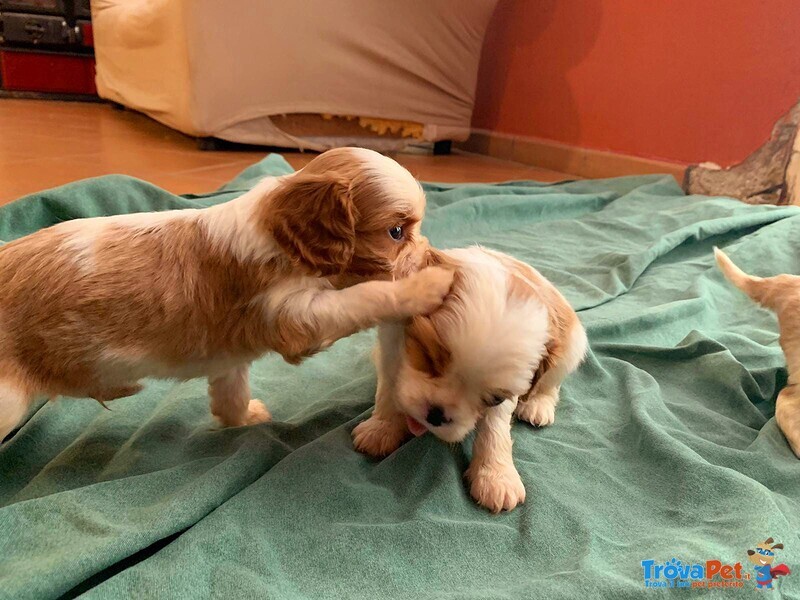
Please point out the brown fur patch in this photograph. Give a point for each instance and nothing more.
(313, 218)
(546, 363)
(162, 293)
(334, 215)
(525, 281)
(425, 349)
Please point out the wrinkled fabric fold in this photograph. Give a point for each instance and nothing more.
(664, 444)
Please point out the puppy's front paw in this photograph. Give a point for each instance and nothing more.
(424, 291)
(496, 488)
(257, 413)
(539, 410)
(378, 437)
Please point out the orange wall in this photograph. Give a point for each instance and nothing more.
(681, 80)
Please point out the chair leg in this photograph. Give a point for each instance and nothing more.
(442, 147)
(207, 144)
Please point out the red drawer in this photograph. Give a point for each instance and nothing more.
(47, 72)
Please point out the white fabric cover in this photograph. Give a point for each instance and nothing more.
(221, 68)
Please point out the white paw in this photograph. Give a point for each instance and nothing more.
(537, 410)
(496, 488)
(378, 437)
(257, 413)
(425, 291)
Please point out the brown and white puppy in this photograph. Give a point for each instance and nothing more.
(89, 307)
(782, 295)
(499, 346)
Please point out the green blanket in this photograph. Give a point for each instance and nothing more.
(664, 445)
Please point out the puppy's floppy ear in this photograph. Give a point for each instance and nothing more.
(424, 347)
(778, 547)
(751, 552)
(313, 218)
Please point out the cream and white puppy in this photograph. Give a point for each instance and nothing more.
(499, 346)
(782, 295)
(91, 306)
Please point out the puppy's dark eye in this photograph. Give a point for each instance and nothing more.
(396, 232)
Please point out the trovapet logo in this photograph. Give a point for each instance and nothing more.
(714, 573)
(678, 574)
(762, 558)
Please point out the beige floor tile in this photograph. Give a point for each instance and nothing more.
(45, 144)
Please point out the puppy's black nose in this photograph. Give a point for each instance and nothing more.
(436, 416)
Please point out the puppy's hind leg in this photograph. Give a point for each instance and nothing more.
(230, 399)
(14, 403)
(538, 406)
(787, 406)
(787, 414)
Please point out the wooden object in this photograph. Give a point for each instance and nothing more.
(770, 175)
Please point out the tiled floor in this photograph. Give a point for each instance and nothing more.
(45, 144)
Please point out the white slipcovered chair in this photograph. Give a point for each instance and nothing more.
(288, 72)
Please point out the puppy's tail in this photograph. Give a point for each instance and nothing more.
(757, 288)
